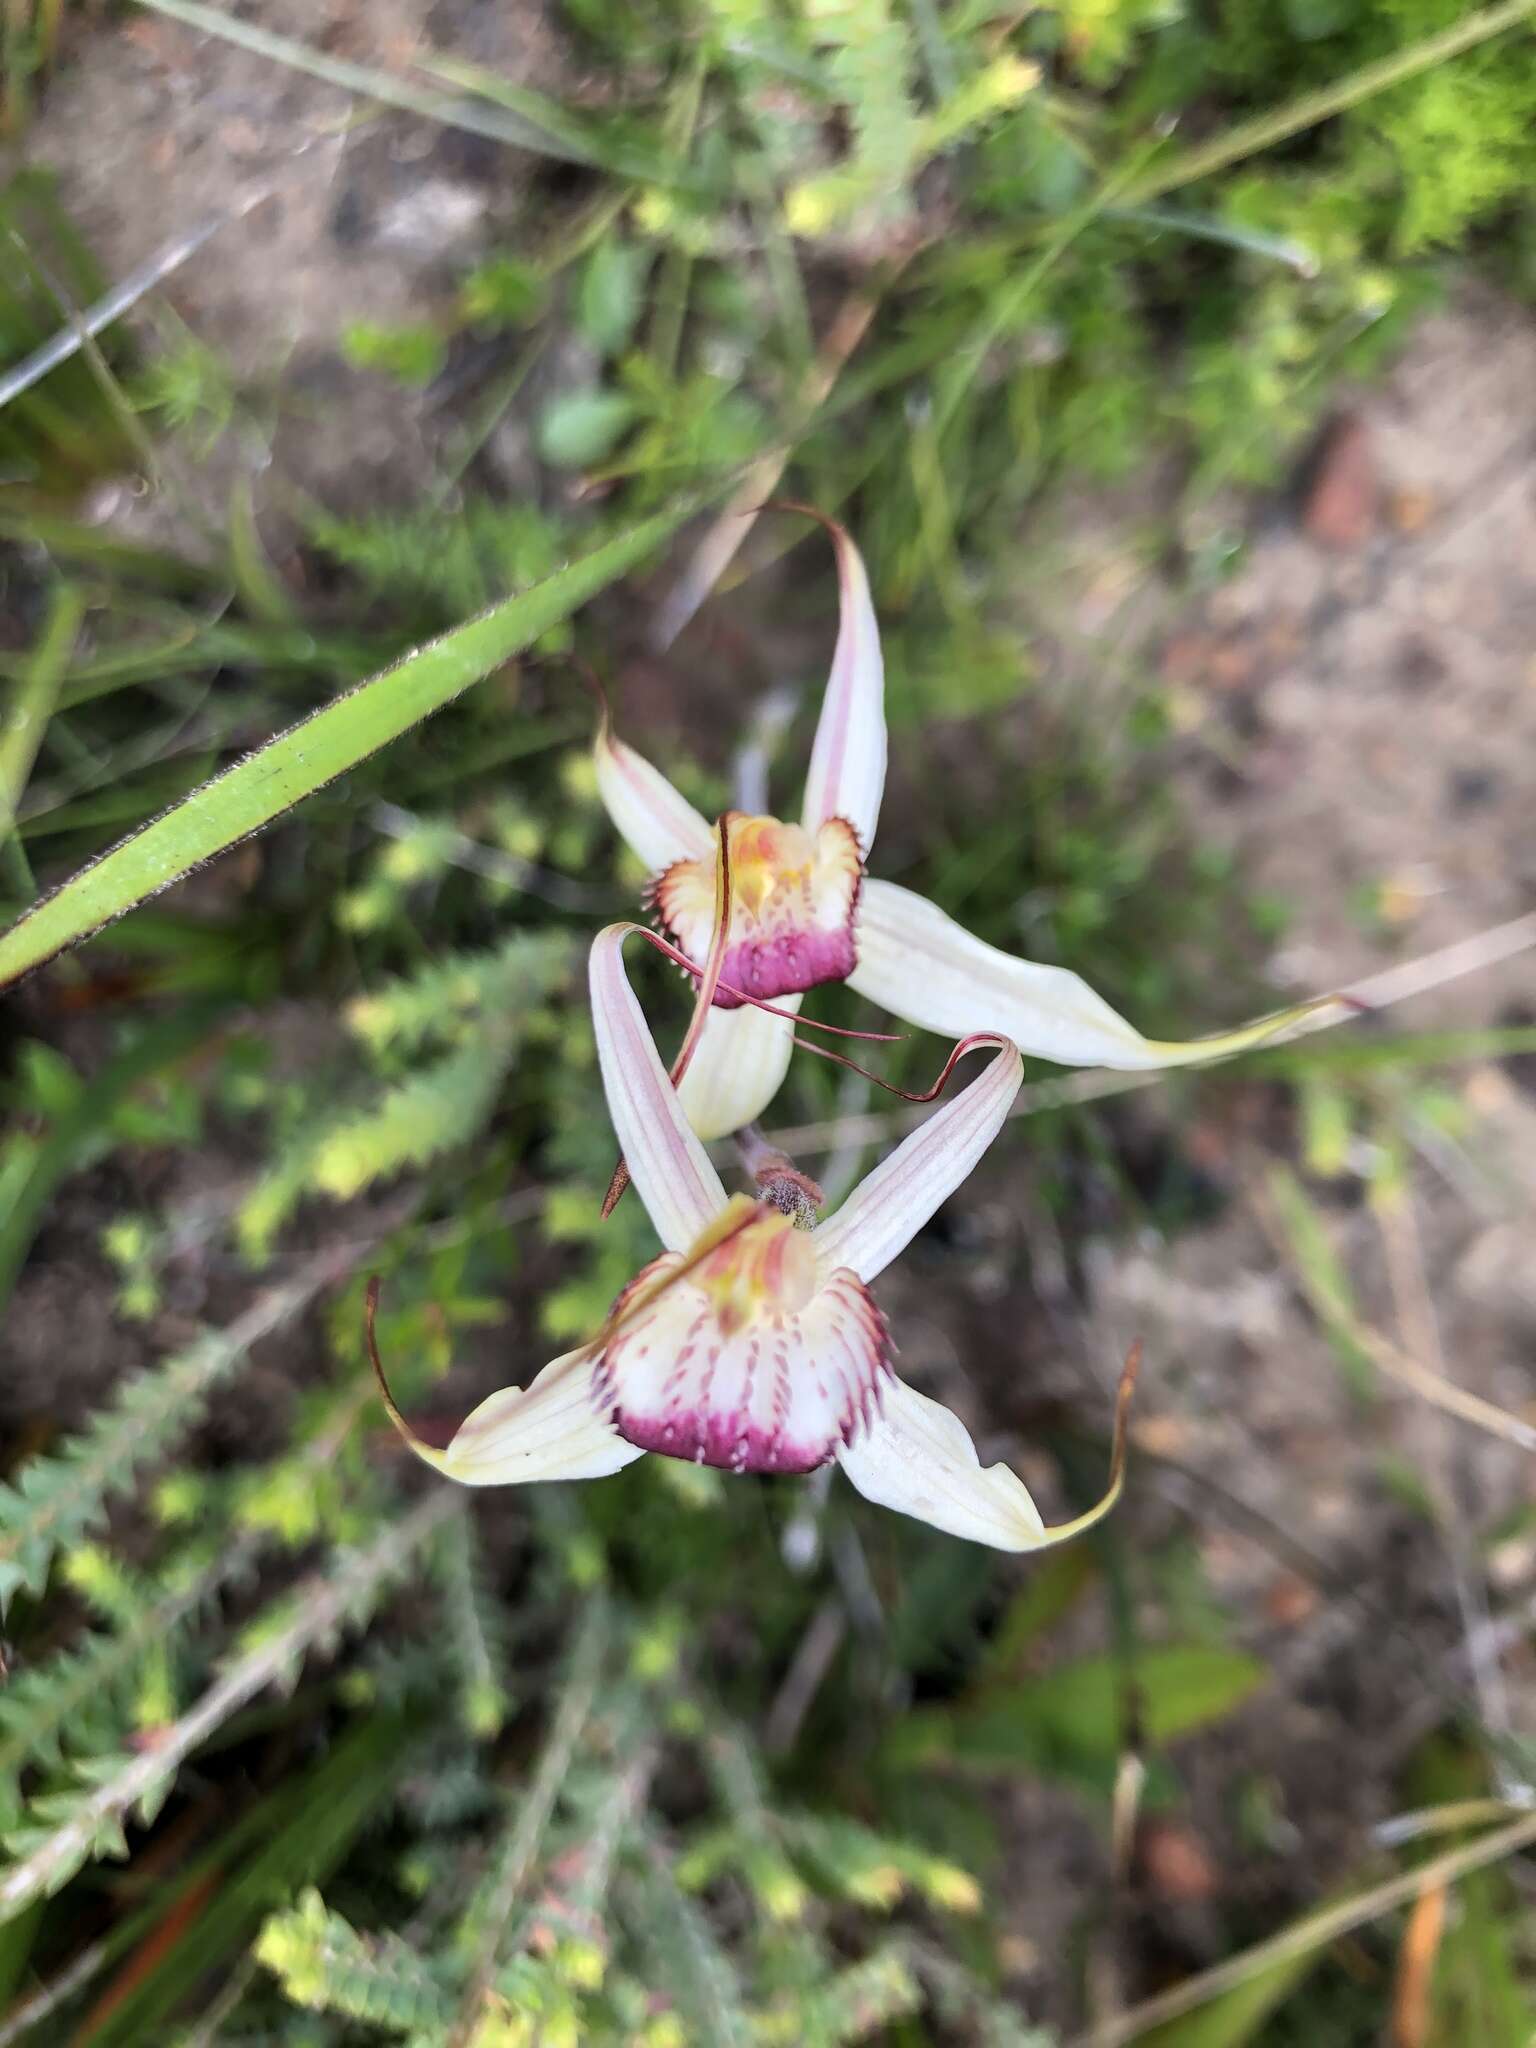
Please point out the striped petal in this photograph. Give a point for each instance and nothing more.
(847, 774)
(553, 1429)
(737, 1068)
(680, 1189)
(745, 1361)
(890, 1206)
(920, 965)
(919, 1459)
(654, 820)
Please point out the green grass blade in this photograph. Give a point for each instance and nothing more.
(500, 124)
(314, 752)
(622, 154)
(1265, 130)
(31, 705)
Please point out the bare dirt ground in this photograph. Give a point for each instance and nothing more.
(154, 129)
(1360, 704)
(1359, 714)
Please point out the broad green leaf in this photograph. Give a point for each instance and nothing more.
(611, 293)
(1074, 1715)
(1233, 2019)
(1482, 1991)
(1179, 1689)
(584, 426)
(314, 752)
(1046, 1595)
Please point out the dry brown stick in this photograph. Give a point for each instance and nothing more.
(1314, 1931)
(716, 551)
(1421, 1328)
(1391, 1359)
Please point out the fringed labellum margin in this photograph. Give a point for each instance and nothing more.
(790, 909)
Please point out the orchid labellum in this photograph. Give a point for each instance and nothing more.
(751, 1343)
(803, 911)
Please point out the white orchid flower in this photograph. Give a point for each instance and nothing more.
(803, 910)
(752, 1344)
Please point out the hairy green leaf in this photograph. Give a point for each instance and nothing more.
(308, 755)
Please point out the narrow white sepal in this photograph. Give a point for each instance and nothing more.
(890, 1206)
(737, 1067)
(671, 1171)
(549, 1430)
(653, 819)
(918, 1458)
(847, 773)
(916, 962)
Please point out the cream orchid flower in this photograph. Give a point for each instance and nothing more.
(803, 911)
(752, 1344)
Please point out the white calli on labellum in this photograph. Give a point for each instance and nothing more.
(753, 1344)
(803, 911)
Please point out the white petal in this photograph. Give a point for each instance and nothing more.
(923, 967)
(889, 1206)
(653, 819)
(847, 775)
(737, 1067)
(680, 1189)
(550, 1430)
(919, 1459)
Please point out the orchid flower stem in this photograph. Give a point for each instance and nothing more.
(756, 1152)
(1130, 1702)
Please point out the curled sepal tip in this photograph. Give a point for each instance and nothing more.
(918, 1458)
(424, 1451)
(1125, 1393)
